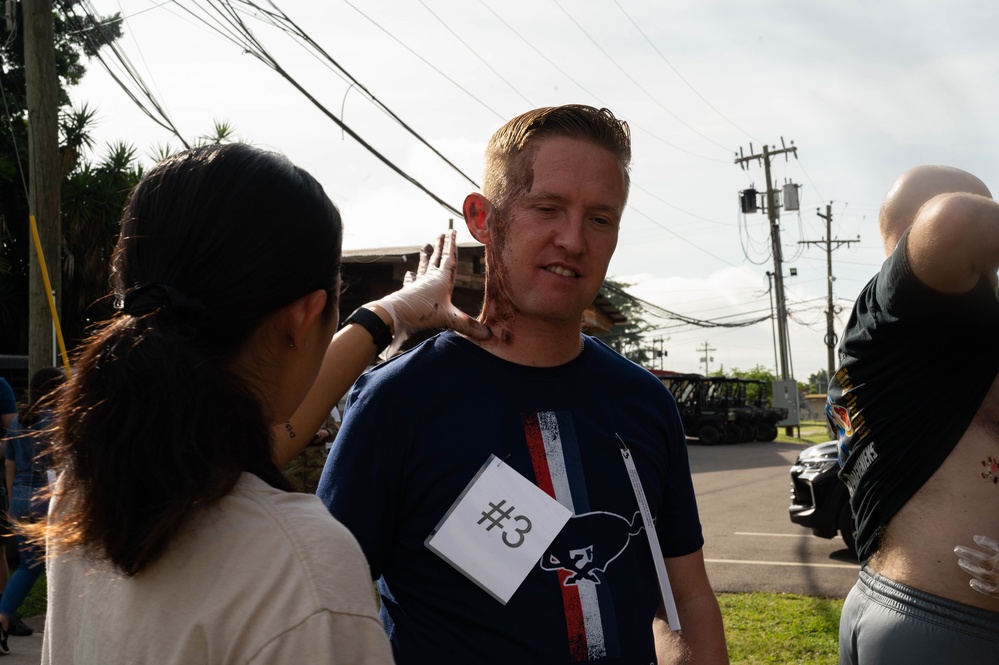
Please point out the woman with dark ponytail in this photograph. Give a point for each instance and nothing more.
(172, 536)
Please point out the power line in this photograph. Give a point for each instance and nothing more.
(257, 49)
(426, 62)
(13, 137)
(476, 54)
(632, 79)
(536, 50)
(680, 237)
(674, 207)
(157, 113)
(227, 22)
(593, 95)
(282, 21)
(679, 75)
(664, 313)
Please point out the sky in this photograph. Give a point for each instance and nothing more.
(862, 90)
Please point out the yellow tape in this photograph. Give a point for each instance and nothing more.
(48, 293)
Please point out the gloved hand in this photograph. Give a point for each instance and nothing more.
(983, 566)
(424, 301)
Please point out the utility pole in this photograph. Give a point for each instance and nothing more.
(831, 339)
(774, 217)
(659, 350)
(773, 330)
(706, 358)
(43, 176)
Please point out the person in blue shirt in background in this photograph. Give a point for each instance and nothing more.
(8, 406)
(8, 410)
(27, 466)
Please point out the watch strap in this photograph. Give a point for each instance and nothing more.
(380, 332)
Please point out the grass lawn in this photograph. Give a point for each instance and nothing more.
(35, 603)
(781, 629)
(812, 431)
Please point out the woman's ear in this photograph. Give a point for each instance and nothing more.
(478, 212)
(301, 314)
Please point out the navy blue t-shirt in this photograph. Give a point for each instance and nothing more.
(8, 403)
(415, 431)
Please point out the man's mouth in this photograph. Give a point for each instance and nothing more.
(559, 270)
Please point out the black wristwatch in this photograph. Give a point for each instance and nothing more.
(380, 331)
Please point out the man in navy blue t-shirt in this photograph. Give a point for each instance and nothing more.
(555, 406)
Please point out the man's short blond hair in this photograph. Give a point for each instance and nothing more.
(509, 153)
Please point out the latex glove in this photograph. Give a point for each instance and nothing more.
(424, 301)
(982, 565)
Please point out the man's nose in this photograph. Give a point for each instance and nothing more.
(570, 235)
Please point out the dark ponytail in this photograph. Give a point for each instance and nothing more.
(155, 422)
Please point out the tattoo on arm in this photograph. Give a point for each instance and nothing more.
(291, 431)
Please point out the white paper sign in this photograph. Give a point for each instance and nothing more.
(498, 528)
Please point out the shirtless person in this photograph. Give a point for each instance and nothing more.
(916, 404)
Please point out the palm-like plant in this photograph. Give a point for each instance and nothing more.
(93, 197)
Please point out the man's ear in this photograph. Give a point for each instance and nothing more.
(299, 316)
(478, 212)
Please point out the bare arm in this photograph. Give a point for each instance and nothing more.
(424, 302)
(347, 356)
(702, 640)
(954, 241)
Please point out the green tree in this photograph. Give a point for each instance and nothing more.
(93, 197)
(818, 382)
(76, 38)
(628, 340)
(758, 373)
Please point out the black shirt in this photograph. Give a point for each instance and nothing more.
(915, 365)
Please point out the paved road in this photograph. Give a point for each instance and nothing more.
(26, 650)
(750, 544)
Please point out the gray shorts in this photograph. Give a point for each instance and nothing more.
(885, 622)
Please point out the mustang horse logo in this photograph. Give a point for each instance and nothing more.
(588, 543)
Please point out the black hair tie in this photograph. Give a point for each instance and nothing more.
(141, 300)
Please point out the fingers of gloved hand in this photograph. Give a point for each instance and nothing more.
(462, 323)
(975, 556)
(409, 278)
(449, 252)
(424, 260)
(983, 566)
(973, 568)
(985, 587)
(987, 542)
(439, 249)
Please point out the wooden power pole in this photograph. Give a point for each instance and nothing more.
(774, 216)
(44, 176)
(831, 339)
(707, 357)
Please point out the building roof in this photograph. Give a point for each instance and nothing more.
(408, 252)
